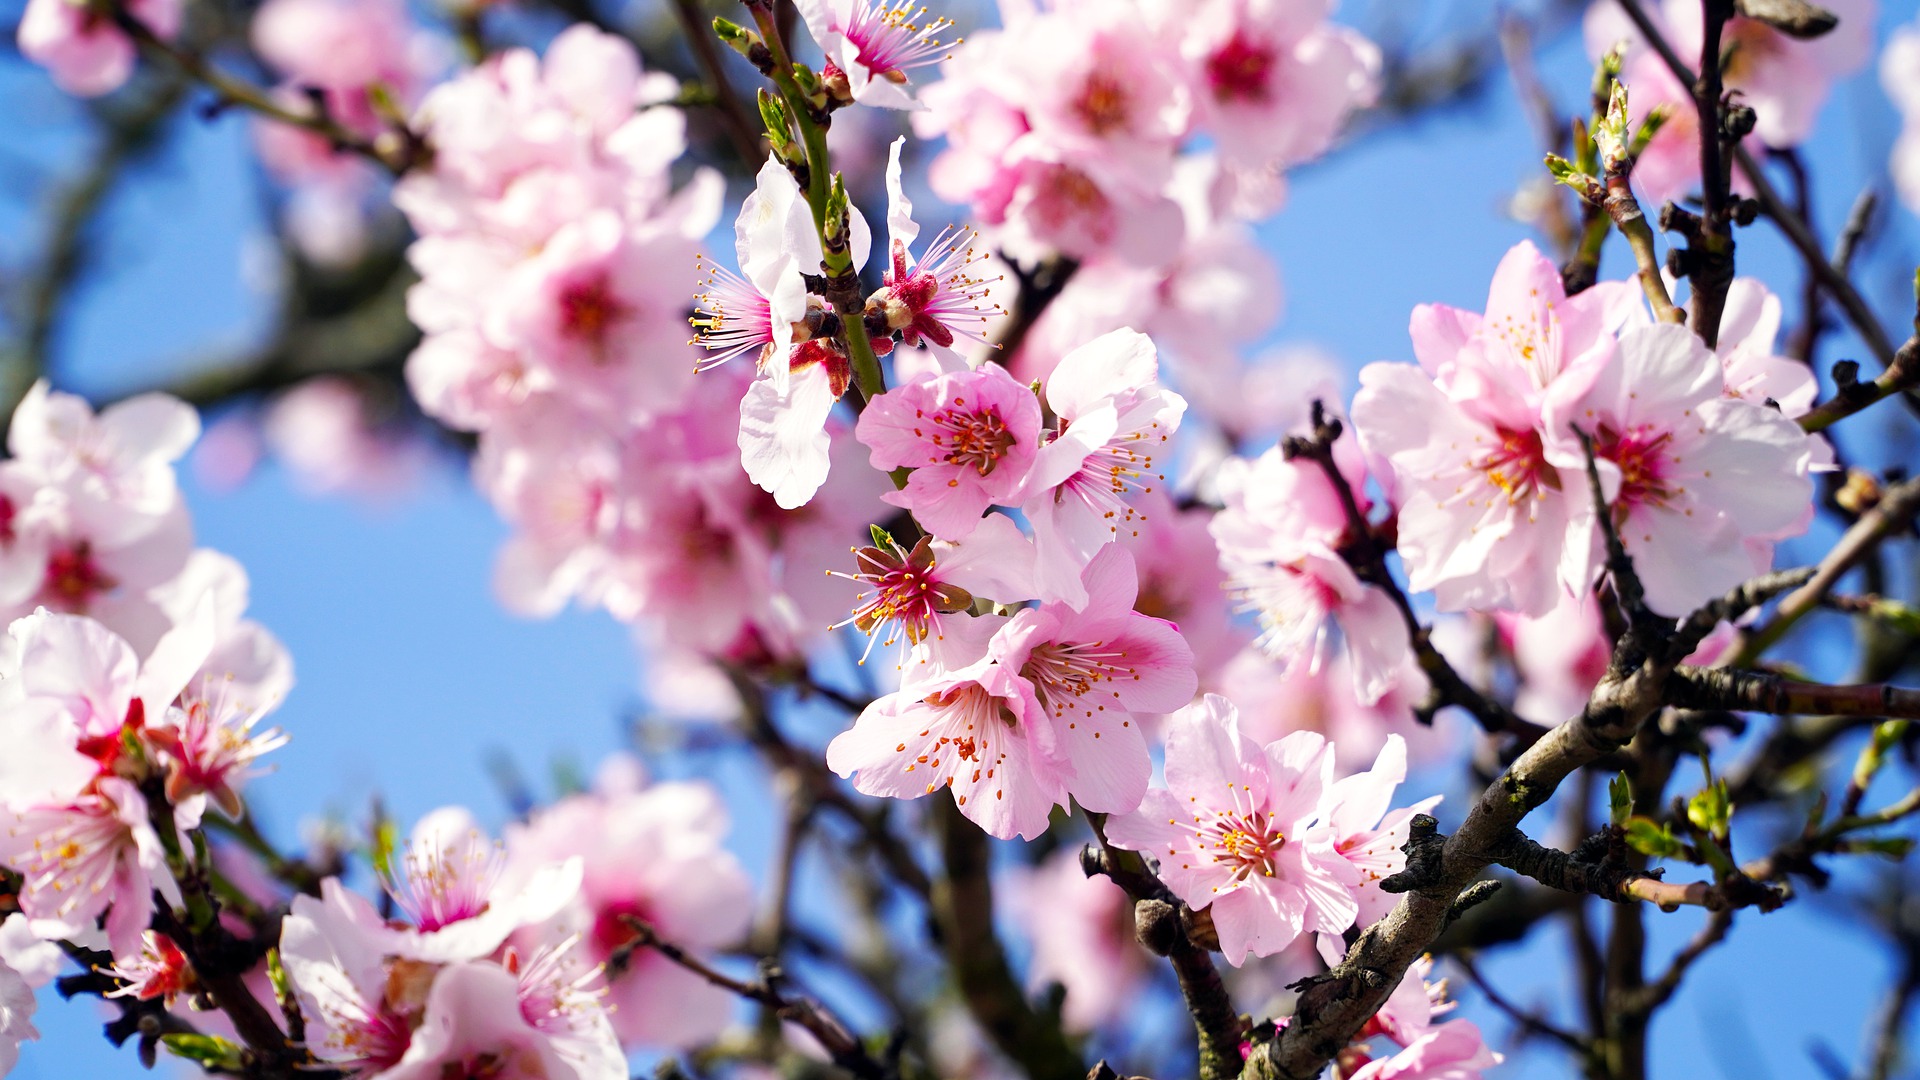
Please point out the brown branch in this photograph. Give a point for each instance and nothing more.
(741, 132)
(833, 1036)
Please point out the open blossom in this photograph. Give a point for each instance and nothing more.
(449, 883)
(1115, 421)
(970, 438)
(654, 853)
(160, 971)
(915, 594)
(937, 296)
(1280, 536)
(872, 44)
(16, 1016)
(1275, 73)
(1454, 1050)
(1366, 832)
(1700, 482)
(1235, 832)
(84, 50)
(1900, 76)
(1045, 711)
(1487, 487)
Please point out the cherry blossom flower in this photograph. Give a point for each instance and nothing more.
(1366, 832)
(872, 44)
(323, 430)
(1181, 581)
(159, 972)
(16, 1016)
(937, 296)
(1454, 1050)
(1280, 536)
(86, 856)
(332, 946)
(121, 458)
(1115, 420)
(970, 438)
(1276, 74)
(1698, 479)
(1234, 832)
(475, 1021)
(1082, 934)
(1486, 487)
(1275, 701)
(84, 50)
(652, 853)
(913, 594)
(448, 882)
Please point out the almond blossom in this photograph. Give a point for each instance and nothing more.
(915, 594)
(1115, 421)
(1701, 482)
(970, 438)
(872, 44)
(650, 852)
(1280, 535)
(936, 296)
(85, 51)
(1486, 486)
(1045, 710)
(1366, 831)
(1454, 1050)
(1235, 832)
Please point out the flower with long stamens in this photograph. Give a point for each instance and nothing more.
(1115, 420)
(1236, 832)
(970, 437)
(872, 44)
(96, 854)
(935, 297)
(211, 746)
(912, 594)
(449, 884)
(731, 316)
(160, 971)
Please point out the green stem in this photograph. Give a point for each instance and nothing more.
(837, 261)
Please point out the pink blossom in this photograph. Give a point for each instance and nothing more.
(449, 883)
(321, 429)
(16, 1016)
(872, 44)
(1044, 711)
(85, 52)
(89, 855)
(1695, 477)
(936, 296)
(1369, 834)
(1753, 371)
(1559, 658)
(784, 444)
(160, 971)
(1181, 581)
(332, 946)
(1486, 486)
(121, 458)
(1234, 832)
(1280, 536)
(1276, 75)
(970, 438)
(1082, 934)
(652, 853)
(914, 594)
(1274, 701)
(1115, 420)
(475, 1021)
(1454, 1050)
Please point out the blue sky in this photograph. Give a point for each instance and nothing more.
(411, 676)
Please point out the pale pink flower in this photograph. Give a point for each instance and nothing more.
(1559, 658)
(160, 971)
(90, 855)
(1754, 372)
(449, 884)
(914, 594)
(16, 1016)
(784, 444)
(248, 669)
(121, 458)
(33, 957)
(652, 853)
(1274, 701)
(873, 44)
(1699, 482)
(1454, 1050)
(475, 1021)
(937, 296)
(1234, 832)
(1486, 486)
(320, 429)
(1082, 934)
(1366, 831)
(211, 747)
(1272, 78)
(970, 438)
(1115, 422)
(1900, 76)
(333, 947)
(1280, 535)
(1181, 581)
(82, 49)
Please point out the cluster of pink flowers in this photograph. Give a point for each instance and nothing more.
(556, 257)
(1487, 468)
(1785, 80)
(1264, 837)
(1137, 137)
